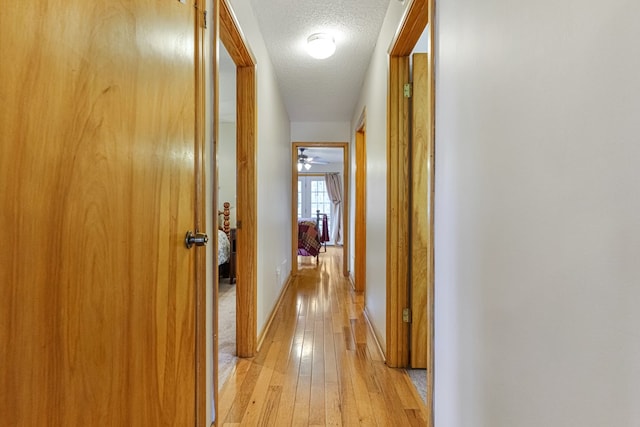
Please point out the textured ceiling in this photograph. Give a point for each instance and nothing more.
(320, 90)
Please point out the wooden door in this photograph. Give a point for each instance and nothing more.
(360, 241)
(421, 212)
(97, 164)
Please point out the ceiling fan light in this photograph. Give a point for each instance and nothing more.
(307, 166)
(299, 166)
(321, 45)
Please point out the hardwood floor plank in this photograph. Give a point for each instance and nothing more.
(363, 405)
(346, 393)
(319, 364)
(333, 414)
(317, 398)
(231, 388)
(270, 409)
(382, 415)
(289, 379)
(243, 396)
(259, 400)
(301, 406)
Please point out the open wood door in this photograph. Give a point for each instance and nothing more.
(421, 274)
(98, 164)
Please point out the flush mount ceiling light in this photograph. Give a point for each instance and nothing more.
(321, 45)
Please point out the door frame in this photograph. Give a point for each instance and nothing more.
(227, 31)
(418, 14)
(246, 180)
(360, 222)
(294, 200)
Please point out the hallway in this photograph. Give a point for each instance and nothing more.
(319, 364)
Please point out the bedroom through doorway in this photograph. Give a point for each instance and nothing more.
(320, 199)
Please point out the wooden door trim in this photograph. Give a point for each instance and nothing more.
(294, 200)
(398, 181)
(418, 14)
(415, 19)
(246, 196)
(247, 218)
(200, 219)
(360, 240)
(232, 37)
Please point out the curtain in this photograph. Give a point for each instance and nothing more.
(334, 189)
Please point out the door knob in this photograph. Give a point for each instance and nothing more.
(198, 239)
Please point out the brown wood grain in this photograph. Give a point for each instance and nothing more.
(397, 354)
(360, 240)
(97, 169)
(421, 211)
(232, 37)
(413, 24)
(247, 208)
(200, 218)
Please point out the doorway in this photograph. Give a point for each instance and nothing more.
(227, 31)
(226, 161)
(418, 197)
(312, 163)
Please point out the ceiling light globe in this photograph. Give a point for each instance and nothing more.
(307, 166)
(321, 45)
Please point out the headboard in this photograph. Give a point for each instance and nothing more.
(225, 218)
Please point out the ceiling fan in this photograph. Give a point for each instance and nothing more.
(305, 161)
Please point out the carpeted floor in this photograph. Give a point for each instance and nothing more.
(226, 330)
(419, 380)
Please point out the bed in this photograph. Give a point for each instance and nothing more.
(312, 235)
(226, 246)
(308, 238)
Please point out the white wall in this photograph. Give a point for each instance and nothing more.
(227, 169)
(320, 131)
(273, 171)
(373, 98)
(537, 213)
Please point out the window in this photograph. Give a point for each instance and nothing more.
(312, 196)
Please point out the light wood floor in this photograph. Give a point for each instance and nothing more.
(319, 364)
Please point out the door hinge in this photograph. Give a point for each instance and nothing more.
(406, 315)
(238, 225)
(408, 90)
